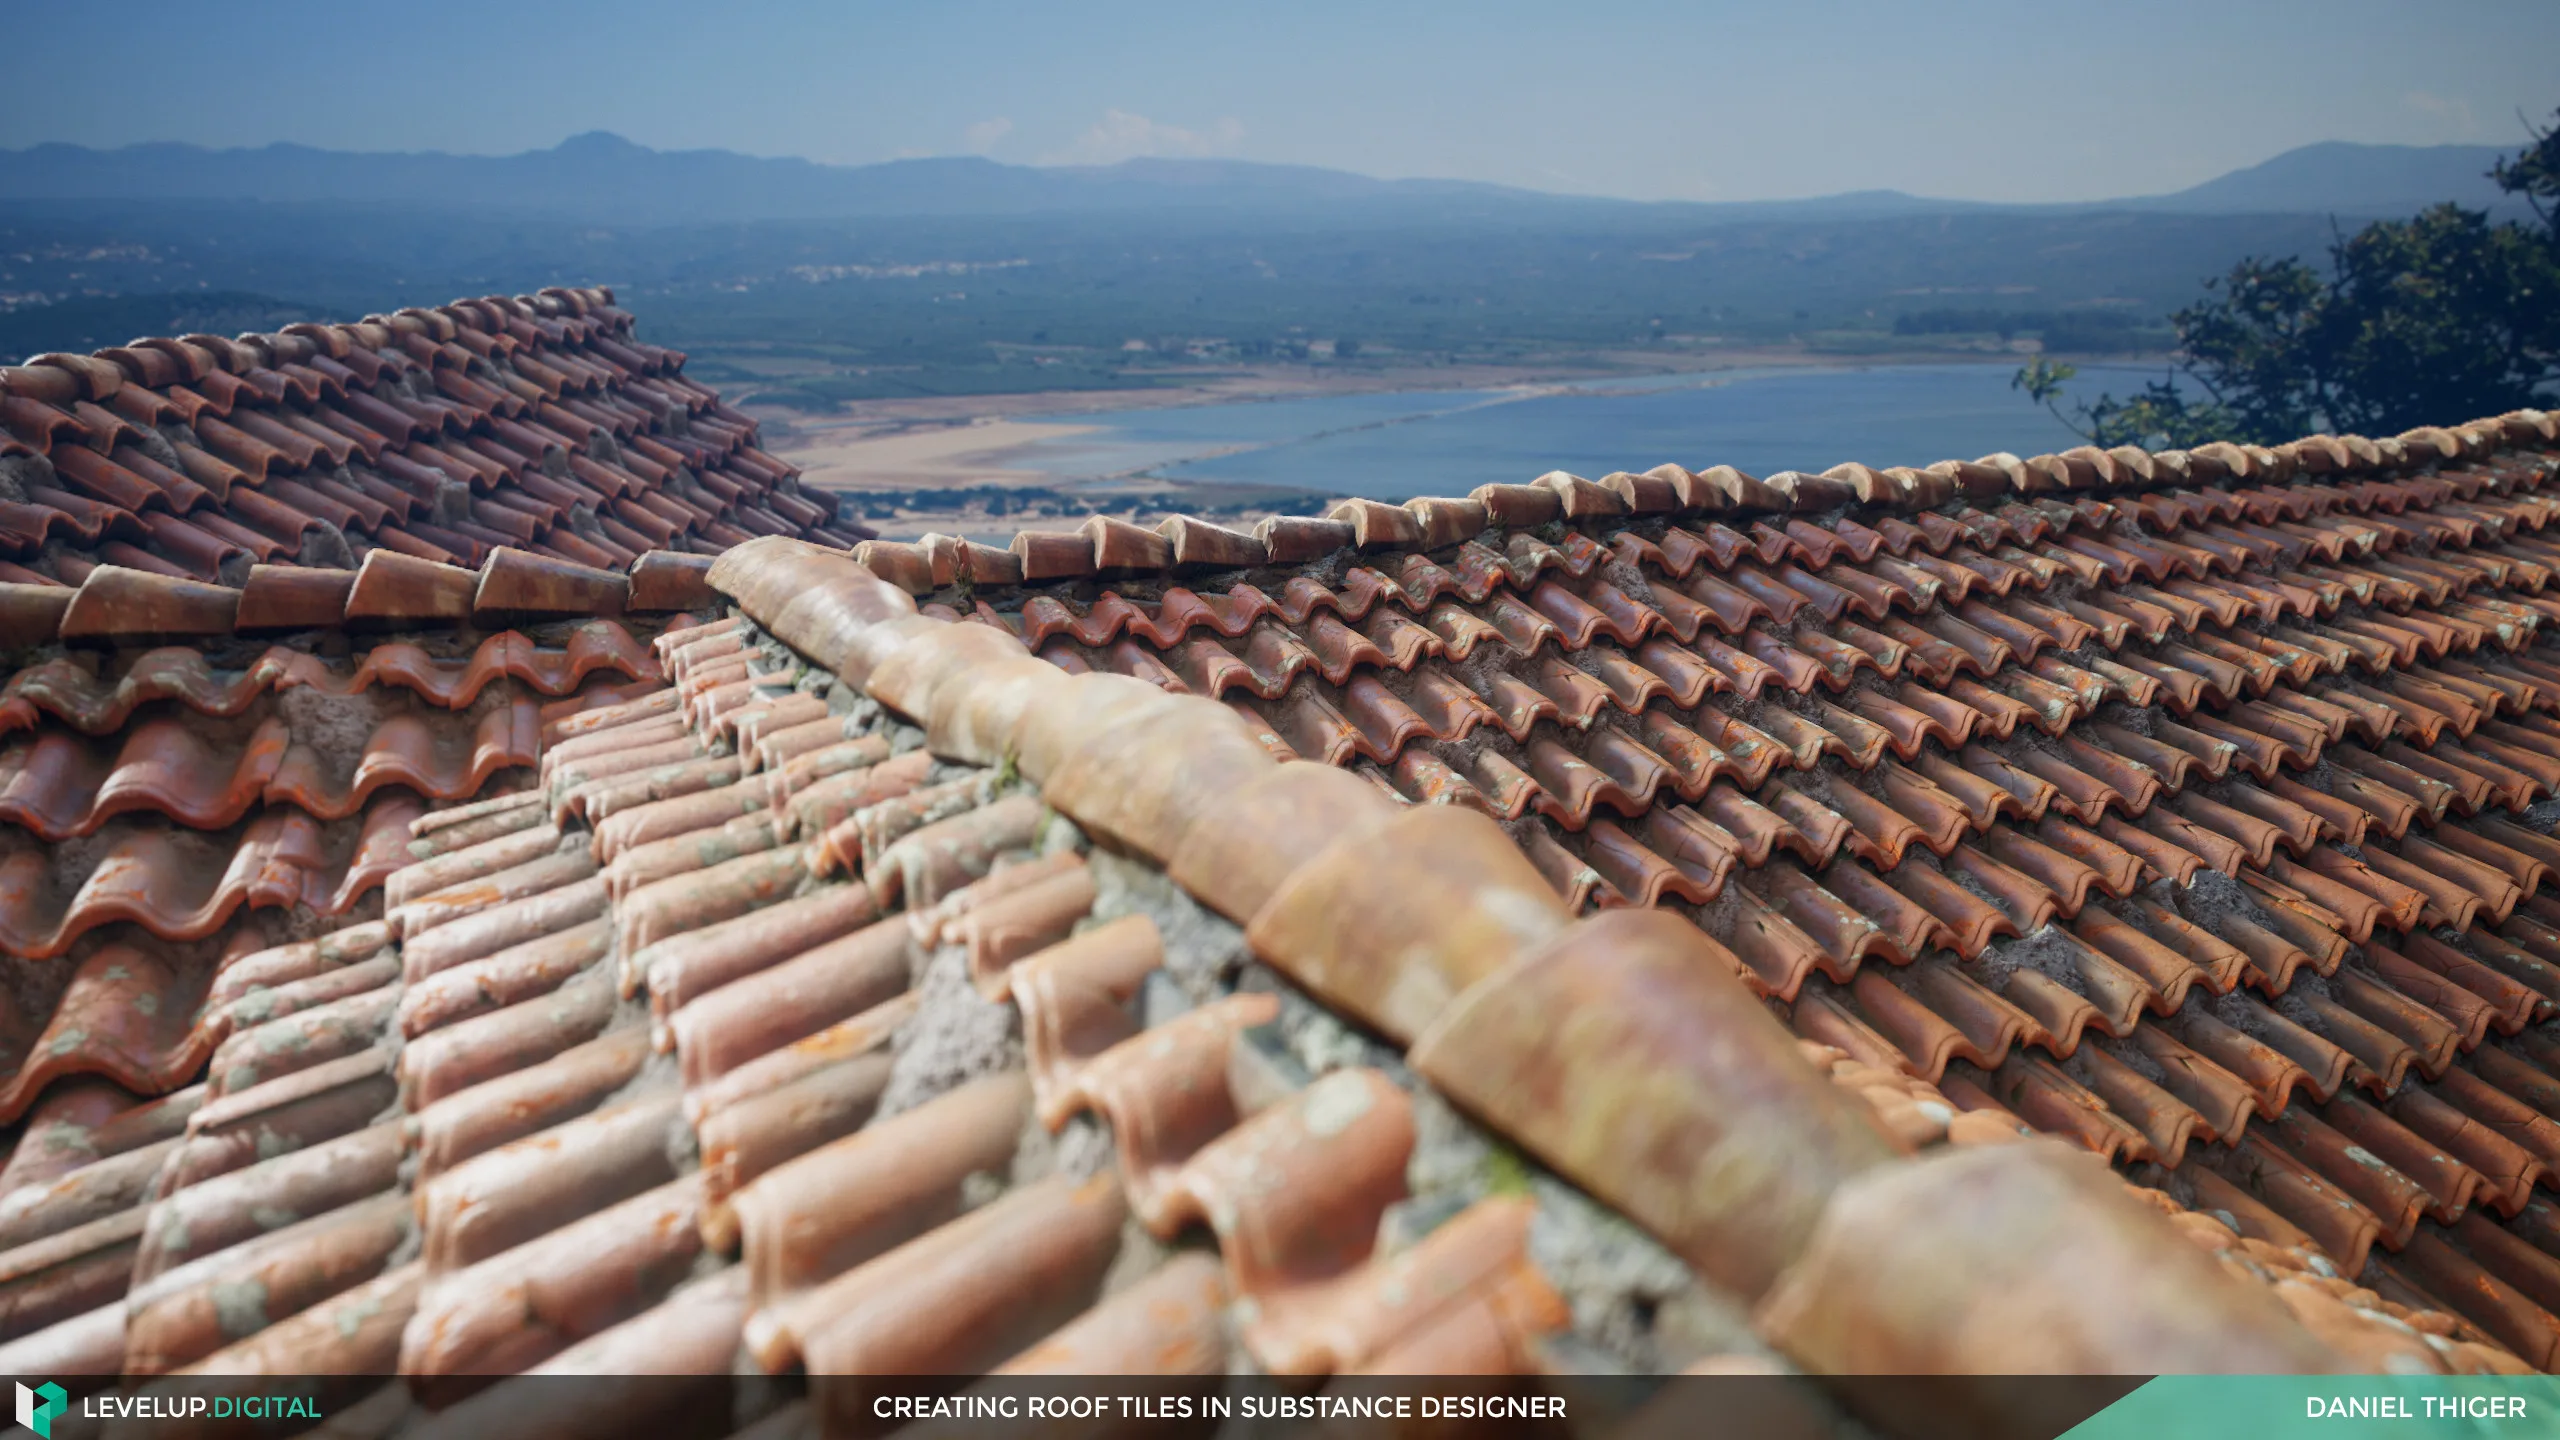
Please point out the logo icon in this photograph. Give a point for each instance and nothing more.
(38, 1407)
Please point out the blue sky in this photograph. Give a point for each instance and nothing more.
(2052, 100)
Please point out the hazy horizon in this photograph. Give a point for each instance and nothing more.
(1079, 165)
(1999, 102)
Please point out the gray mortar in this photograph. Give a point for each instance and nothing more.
(2179, 1188)
(1058, 835)
(1720, 916)
(1454, 1165)
(2026, 738)
(288, 927)
(902, 737)
(336, 726)
(2214, 897)
(2132, 1057)
(2139, 719)
(2234, 1011)
(1311, 1035)
(173, 434)
(2049, 950)
(326, 546)
(1202, 951)
(955, 1036)
(76, 859)
(1627, 578)
(2306, 985)
(1813, 784)
(1080, 1150)
(1748, 710)
(1141, 1254)
(1965, 881)
(156, 445)
(1631, 1299)
(17, 472)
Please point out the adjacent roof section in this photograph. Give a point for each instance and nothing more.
(539, 423)
(2184, 806)
(1733, 513)
(116, 605)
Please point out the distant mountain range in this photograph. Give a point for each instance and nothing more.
(602, 178)
(2349, 179)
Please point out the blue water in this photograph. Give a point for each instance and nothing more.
(1394, 447)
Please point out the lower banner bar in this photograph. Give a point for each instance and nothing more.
(713, 1407)
(1741, 1407)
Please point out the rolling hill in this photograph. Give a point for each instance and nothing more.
(602, 178)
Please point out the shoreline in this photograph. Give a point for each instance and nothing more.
(881, 419)
(957, 464)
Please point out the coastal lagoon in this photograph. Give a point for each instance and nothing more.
(1396, 446)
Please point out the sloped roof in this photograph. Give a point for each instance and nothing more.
(1671, 829)
(537, 422)
(1861, 726)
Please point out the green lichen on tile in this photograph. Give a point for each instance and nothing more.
(1504, 1172)
(351, 1319)
(240, 1307)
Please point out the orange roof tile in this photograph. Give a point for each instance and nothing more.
(1766, 872)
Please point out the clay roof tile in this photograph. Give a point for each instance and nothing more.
(514, 583)
(31, 615)
(1199, 545)
(395, 587)
(1581, 499)
(664, 580)
(116, 602)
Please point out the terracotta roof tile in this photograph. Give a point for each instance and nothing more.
(2097, 796)
(2241, 1043)
(333, 448)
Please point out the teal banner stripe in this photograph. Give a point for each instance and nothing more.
(2330, 1407)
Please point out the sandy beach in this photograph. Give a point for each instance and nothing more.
(852, 456)
(966, 441)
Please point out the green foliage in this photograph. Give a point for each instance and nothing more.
(2534, 173)
(2251, 345)
(2443, 316)
(2043, 380)
(2160, 417)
